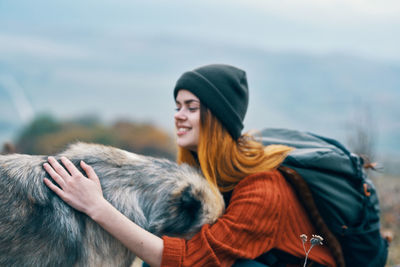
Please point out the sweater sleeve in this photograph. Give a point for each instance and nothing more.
(248, 228)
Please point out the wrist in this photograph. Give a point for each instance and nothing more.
(95, 212)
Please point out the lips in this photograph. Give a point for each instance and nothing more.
(182, 130)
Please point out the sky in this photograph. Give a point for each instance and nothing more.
(120, 58)
(369, 28)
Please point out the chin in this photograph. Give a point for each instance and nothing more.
(188, 146)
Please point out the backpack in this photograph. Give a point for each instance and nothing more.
(344, 204)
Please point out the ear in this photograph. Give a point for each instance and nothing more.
(180, 216)
(190, 203)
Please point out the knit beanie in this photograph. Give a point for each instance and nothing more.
(221, 88)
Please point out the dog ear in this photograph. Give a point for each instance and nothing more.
(186, 210)
(187, 214)
(190, 203)
(8, 148)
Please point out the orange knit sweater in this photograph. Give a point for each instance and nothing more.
(263, 213)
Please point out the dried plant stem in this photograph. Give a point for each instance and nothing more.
(315, 240)
(307, 252)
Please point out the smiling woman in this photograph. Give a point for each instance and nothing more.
(187, 120)
(263, 212)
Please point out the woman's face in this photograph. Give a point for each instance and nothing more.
(187, 120)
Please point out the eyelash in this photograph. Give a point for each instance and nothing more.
(190, 109)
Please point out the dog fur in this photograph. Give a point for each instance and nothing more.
(38, 229)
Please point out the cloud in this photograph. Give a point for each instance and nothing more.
(106, 78)
(23, 45)
(327, 9)
(18, 97)
(362, 27)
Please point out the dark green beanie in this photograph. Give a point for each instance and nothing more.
(221, 88)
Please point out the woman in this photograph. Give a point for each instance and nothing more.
(262, 211)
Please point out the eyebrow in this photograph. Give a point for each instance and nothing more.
(189, 101)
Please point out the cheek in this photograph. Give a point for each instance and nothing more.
(196, 119)
(196, 124)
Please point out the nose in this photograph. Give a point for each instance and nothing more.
(180, 114)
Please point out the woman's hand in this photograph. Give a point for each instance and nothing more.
(74, 188)
(85, 195)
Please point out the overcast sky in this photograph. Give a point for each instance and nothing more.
(117, 58)
(370, 28)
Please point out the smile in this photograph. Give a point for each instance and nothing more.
(182, 130)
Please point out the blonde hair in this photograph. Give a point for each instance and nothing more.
(225, 161)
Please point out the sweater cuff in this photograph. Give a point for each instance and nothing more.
(174, 249)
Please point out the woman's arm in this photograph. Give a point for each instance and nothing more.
(85, 195)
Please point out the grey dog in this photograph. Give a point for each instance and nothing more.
(38, 229)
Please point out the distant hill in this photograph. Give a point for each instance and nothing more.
(46, 135)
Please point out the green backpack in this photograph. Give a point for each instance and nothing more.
(344, 203)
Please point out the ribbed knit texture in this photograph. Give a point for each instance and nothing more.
(263, 213)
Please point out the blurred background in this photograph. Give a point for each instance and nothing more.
(104, 70)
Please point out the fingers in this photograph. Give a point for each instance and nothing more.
(89, 171)
(56, 177)
(62, 177)
(70, 166)
(58, 168)
(54, 188)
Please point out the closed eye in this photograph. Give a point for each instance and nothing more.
(193, 109)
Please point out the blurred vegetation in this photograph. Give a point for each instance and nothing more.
(388, 188)
(46, 135)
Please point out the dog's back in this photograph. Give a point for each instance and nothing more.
(32, 219)
(39, 229)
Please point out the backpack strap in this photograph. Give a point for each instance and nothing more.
(305, 196)
(279, 258)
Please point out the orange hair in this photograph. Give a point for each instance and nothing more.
(224, 161)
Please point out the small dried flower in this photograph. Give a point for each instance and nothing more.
(316, 240)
